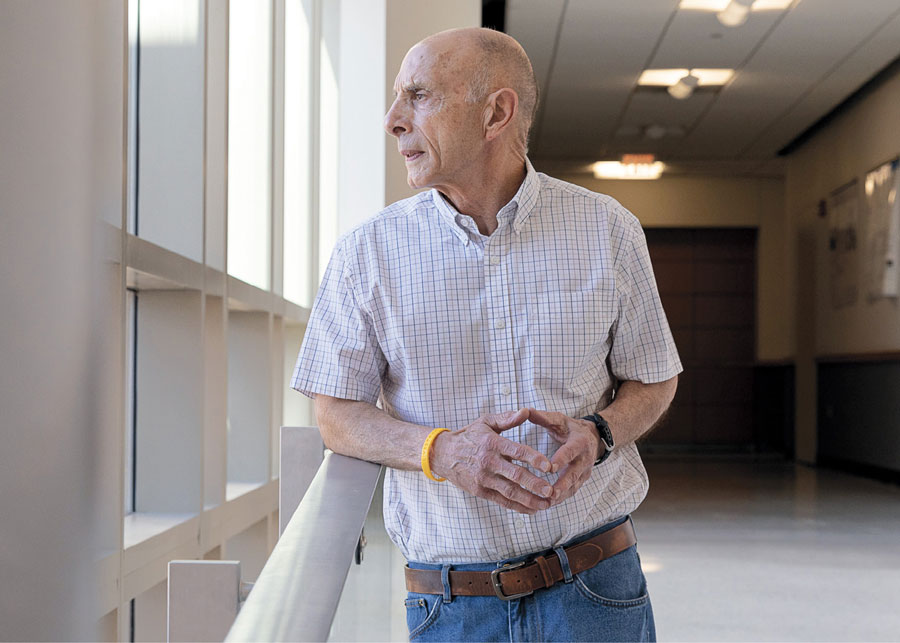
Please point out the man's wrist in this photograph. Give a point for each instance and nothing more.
(598, 443)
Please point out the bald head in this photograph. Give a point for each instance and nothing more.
(491, 60)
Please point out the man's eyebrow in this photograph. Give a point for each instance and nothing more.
(412, 87)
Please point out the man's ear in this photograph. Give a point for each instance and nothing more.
(502, 107)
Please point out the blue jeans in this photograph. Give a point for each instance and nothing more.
(608, 602)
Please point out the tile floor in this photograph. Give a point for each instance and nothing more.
(743, 549)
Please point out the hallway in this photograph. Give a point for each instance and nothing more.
(755, 549)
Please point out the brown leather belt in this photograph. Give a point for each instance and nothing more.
(516, 580)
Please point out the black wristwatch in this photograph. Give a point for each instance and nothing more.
(606, 437)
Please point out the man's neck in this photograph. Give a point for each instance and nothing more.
(486, 193)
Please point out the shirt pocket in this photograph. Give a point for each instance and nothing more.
(568, 334)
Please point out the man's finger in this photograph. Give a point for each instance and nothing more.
(523, 453)
(565, 455)
(556, 423)
(516, 493)
(570, 481)
(524, 478)
(504, 421)
(567, 478)
(503, 501)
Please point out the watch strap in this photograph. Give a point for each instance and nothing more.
(605, 435)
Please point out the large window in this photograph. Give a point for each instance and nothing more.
(329, 61)
(249, 140)
(208, 339)
(168, 111)
(298, 278)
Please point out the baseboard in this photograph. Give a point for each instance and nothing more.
(873, 472)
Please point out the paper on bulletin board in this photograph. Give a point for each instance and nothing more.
(843, 245)
(882, 244)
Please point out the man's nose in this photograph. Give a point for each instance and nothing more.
(395, 122)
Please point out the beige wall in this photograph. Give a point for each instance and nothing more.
(708, 201)
(859, 140)
(862, 137)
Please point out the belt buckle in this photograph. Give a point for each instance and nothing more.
(498, 587)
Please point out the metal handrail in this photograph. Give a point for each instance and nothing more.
(298, 590)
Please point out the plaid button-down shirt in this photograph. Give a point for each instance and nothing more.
(444, 324)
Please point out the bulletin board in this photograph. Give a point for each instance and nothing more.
(881, 259)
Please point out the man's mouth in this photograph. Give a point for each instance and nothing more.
(412, 155)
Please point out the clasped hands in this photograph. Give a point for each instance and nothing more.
(480, 461)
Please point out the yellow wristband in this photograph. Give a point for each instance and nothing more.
(426, 452)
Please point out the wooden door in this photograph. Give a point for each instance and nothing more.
(707, 280)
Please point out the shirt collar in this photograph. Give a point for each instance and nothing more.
(519, 207)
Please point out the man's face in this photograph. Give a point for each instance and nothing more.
(437, 131)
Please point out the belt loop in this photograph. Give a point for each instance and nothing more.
(564, 563)
(445, 580)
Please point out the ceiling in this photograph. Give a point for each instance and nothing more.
(793, 66)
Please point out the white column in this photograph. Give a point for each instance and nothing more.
(61, 111)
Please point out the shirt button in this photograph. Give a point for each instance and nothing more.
(500, 324)
(520, 523)
(505, 390)
(495, 260)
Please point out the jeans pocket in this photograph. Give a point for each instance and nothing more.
(615, 582)
(421, 611)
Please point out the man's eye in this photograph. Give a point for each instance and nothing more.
(419, 96)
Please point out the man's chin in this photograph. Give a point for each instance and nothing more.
(414, 182)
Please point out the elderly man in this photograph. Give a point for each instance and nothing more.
(510, 326)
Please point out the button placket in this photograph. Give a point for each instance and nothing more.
(500, 335)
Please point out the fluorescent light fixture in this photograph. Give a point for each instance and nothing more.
(715, 6)
(735, 14)
(618, 170)
(684, 87)
(669, 77)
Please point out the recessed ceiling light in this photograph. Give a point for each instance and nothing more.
(684, 87)
(618, 170)
(669, 77)
(735, 14)
(714, 6)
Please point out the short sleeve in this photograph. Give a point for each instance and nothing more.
(340, 355)
(642, 345)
